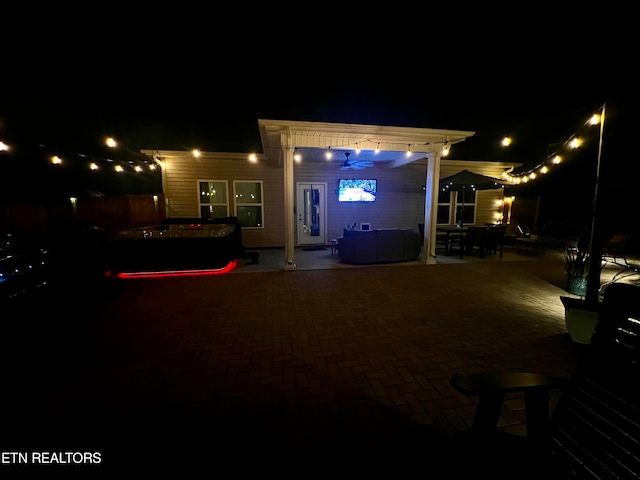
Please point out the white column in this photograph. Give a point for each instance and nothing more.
(289, 214)
(431, 207)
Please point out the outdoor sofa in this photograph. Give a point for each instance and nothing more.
(379, 246)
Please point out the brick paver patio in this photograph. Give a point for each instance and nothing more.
(277, 362)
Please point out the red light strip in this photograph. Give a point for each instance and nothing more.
(179, 273)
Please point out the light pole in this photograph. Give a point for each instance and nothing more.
(597, 241)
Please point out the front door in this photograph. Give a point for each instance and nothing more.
(311, 213)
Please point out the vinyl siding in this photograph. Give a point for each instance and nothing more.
(400, 201)
(181, 189)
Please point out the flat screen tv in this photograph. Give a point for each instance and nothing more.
(357, 190)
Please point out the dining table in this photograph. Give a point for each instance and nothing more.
(449, 233)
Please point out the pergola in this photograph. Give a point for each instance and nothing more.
(387, 146)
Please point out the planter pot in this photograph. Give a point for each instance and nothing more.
(577, 286)
(580, 318)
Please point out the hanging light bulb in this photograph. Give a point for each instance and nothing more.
(409, 150)
(506, 141)
(377, 150)
(328, 155)
(296, 156)
(445, 149)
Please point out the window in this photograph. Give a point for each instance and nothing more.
(248, 195)
(444, 208)
(447, 199)
(469, 202)
(214, 199)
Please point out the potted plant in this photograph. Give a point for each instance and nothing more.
(580, 316)
(576, 261)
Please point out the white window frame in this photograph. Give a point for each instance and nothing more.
(456, 204)
(237, 204)
(217, 204)
(448, 204)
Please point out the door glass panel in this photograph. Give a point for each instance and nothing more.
(312, 211)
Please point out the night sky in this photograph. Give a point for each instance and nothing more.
(209, 95)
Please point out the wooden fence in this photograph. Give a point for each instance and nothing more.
(109, 213)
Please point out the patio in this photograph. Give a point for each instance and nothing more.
(265, 371)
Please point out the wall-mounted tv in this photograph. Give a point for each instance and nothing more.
(357, 190)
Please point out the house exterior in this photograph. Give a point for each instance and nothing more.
(288, 195)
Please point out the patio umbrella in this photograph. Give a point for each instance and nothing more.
(467, 180)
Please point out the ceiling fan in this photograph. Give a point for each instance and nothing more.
(355, 165)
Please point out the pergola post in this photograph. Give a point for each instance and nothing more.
(289, 213)
(431, 206)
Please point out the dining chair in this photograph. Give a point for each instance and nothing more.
(475, 240)
(441, 239)
(495, 240)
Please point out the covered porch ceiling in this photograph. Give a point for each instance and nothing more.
(385, 146)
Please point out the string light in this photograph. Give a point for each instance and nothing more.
(445, 149)
(573, 142)
(543, 168)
